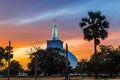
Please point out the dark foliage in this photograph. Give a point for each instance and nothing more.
(108, 62)
(49, 62)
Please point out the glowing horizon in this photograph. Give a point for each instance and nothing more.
(25, 22)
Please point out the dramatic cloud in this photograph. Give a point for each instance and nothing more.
(27, 21)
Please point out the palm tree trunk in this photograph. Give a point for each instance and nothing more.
(95, 64)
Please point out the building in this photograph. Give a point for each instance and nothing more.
(57, 43)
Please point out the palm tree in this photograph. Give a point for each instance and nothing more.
(94, 28)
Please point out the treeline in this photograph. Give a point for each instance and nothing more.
(15, 66)
(52, 62)
(108, 62)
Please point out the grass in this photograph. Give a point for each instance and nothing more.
(57, 78)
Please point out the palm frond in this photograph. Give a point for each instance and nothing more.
(95, 25)
(105, 24)
(85, 19)
(103, 34)
(82, 24)
(91, 14)
(87, 34)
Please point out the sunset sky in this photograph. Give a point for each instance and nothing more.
(27, 21)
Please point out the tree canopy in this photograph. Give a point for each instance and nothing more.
(50, 61)
(108, 62)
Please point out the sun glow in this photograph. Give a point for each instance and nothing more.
(76, 46)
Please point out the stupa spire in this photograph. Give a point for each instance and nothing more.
(54, 31)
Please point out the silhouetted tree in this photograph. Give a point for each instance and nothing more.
(49, 61)
(82, 66)
(6, 58)
(2, 52)
(113, 62)
(38, 56)
(15, 67)
(34, 53)
(108, 62)
(94, 28)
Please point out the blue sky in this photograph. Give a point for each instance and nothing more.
(31, 11)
